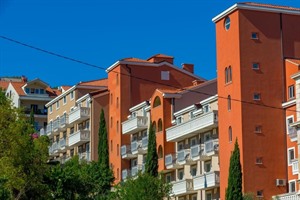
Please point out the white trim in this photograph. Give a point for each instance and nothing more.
(209, 100)
(288, 60)
(289, 160)
(185, 110)
(139, 106)
(253, 7)
(295, 181)
(286, 120)
(36, 98)
(110, 68)
(60, 96)
(289, 103)
(295, 76)
(81, 99)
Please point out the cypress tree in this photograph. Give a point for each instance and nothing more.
(31, 118)
(151, 166)
(234, 188)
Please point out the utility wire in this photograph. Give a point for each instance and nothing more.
(136, 77)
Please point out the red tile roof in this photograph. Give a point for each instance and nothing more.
(53, 92)
(271, 6)
(160, 56)
(18, 88)
(65, 87)
(100, 82)
(4, 84)
(135, 60)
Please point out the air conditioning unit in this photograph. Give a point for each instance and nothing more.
(280, 182)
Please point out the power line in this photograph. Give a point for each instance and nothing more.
(136, 77)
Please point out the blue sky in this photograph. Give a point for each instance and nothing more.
(102, 32)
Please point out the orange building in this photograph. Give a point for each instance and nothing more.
(132, 81)
(253, 41)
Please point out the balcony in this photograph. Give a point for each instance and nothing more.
(79, 114)
(135, 124)
(126, 152)
(171, 162)
(192, 127)
(211, 147)
(125, 174)
(292, 132)
(136, 147)
(64, 122)
(184, 157)
(295, 166)
(79, 137)
(287, 196)
(85, 156)
(207, 181)
(145, 143)
(63, 145)
(42, 132)
(36, 112)
(53, 149)
(183, 187)
(56, 126)
(49, 129)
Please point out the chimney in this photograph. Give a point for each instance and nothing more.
(24, 79)
(158, 58)
(188, 67)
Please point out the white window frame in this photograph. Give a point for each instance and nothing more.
(165, 75)
(291, 93)
(57, 105)
(256, 35)
(255, 66)
(255, 95)
(292, 181)
(287, 123)
(178, 174)
(71, 95)
(193, 167)
(50, 109)
(289, 157)
(170, 176)
(65, 100)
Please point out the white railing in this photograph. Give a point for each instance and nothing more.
(79, 137)
(64, 120)
(55, 124)
(207, 120)
(207, 180)
(182, 155)
(295, 166)
(292, 132)
(135, 124)
(182, 187)
(134, 170)
(42, 131)
(125, 173)
(145, 142)
(125, 149)
(134, 145)
(79, 113)
(287, 196)
(170, 159)
(62, 143)
(195, 150)
(49, 129)
(211, 145)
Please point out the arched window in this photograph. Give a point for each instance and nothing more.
(229, 103)
(154, 126)
(226, 75)
(230, 134)
(156, 102)
(160, 151)
(159, 125)
(229, 74)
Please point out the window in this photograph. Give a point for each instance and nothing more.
(179, 120)
(180, 146)
(65, 100)
(111, 98)
(32, 90)
(254, 36)
(165, 75)
(27, 90)
(118, 149)
(259, 193)
(206, 108)
(72, 95)
(228, 74)
(156, 102)
(230, 134)
(289, 121)
(257, 129)
(255, 66)
(159, 125)
(168, 177)
(207, 166)
(208, 196)
(291, 155)
(111, 145)
(111, 122)
(117, 102)
(291, 92)
(57, 105)
(193, 170)
(50, 109)
(180, 174)
(118, 172)
(194, 197)
(37, 91)
(229, 103)
(191, 115)
(160, 152)
(42, 91)
(292, 186)
(117, 78)
(256, 96)
(227, 23)
(118, 126)
(259, 161)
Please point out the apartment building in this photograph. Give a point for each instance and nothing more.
(31, 96)
(72, 120)
(254, 42)
(185, 122)
(132, 81)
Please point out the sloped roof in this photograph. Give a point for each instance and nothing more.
(135, 60)
(160, 56)
(271, 6)
(99, 82)
(18, 87)
(4, 84)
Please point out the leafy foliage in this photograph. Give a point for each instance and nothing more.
(234, 189)
(145, 186)
(151, 166)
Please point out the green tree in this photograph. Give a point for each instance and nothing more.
(103, 142)
(234, 188)
(22, 159)
(151, 166)
(145, 187)
(31, 118)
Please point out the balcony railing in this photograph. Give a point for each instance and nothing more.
(135, 124)
(63, 144)
(42, 132)
(295, 166)
(125, 173)
(182, 155)
(203, 122)
(145, 143)
(64, 121)
(49, 129)
(55, 125)
(36, 111)
(183, 187)
(79, 114)
(84, 156)
(211, 146)
(171, 162)
(207, 180)
(126, 152)
(292, 132)
(287, 196)
(79, 137)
